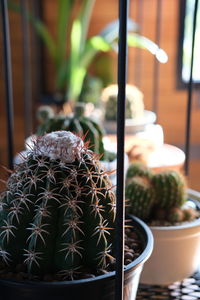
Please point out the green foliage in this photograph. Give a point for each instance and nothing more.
(57, 213)
(71, 50)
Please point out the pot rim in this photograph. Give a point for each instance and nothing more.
(189, 224)
(130, 267)
(184, 225)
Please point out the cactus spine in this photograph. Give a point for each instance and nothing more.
(141, 196)
(170, 188)
(160, 196)
(138, 169)
(57, 214)
(78, 124)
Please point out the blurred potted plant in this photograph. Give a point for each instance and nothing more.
(173, 214)
(57, 227)
(137, 118)
(72, 52)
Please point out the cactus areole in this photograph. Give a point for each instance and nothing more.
(58, 211)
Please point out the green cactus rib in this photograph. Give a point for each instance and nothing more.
(79, 124)
(138, 169)
(170, 188)
(141, 196)
(57, 216)
(149, 195)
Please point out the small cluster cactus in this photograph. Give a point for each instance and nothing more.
(77, 123)
(159, 196)
(57, 214)
(138, 169)
(141, 196)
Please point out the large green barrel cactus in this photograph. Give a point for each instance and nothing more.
(170, 188)
(77, 123)
(141, 196)
(57, 214)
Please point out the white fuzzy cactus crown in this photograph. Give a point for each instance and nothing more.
(62, 145)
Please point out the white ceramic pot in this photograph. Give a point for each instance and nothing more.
(176, 254)
(132, 126)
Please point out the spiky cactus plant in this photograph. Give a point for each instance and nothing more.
(77, 123)
(138, 168)
(141, 196)
(170, 187)
(159, 196)
(57, 214)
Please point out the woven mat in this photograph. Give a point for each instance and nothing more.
(188, 289)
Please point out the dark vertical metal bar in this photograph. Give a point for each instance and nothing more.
(38, 50)
(156, 70)
(189, 101)
(8, 80)
(27, 70)
(122, 65)
(138, 55)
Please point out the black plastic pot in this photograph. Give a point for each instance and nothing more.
(99, 288)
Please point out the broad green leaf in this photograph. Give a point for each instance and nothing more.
(44, 34)
(74, 58)
(76, 83)
(62, 75)
(63, 18)
(93, 46)
(142, 42)
(75, 42)
(40, 28)
(99, 43)
(111, 31)
(85, 17)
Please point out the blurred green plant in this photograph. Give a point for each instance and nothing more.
(72, 52)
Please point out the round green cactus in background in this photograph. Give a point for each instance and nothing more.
(77, 123)
(134, 102)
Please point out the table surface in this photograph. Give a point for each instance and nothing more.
(188, 289)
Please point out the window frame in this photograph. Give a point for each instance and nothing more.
(180, 83)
